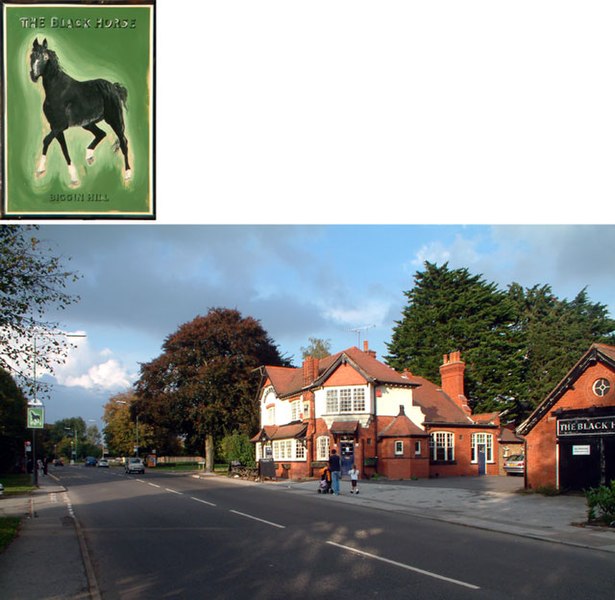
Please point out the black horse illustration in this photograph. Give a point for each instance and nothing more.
(72, 103)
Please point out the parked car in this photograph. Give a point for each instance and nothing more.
(58, 462)
(515, 465)
(90, 461)
(103, 462)
(134, 465)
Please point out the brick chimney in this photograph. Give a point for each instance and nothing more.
(366, 349)
(310, 370)
(451, 374)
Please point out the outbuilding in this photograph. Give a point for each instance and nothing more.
(570, 437)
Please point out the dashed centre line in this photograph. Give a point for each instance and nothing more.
(405, 566)
(236, 512)
(202, 501)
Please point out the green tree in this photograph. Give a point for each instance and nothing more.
(237, 447)
(13, 432)
(450, 309)
(556, 333)
(123, 429)
(317, 348)
(32, 281)
(204, 383)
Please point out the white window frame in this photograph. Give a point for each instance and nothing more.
(271, 415)
(295, 410)
(445, 441)
(322, 447)
(399, 448)
(482, 439)
(417, 448)
(288, 449)
(345, 400)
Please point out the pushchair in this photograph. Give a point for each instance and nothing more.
(324, 486)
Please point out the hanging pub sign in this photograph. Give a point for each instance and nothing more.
(586, 426)
(36, 417)
(78, 106)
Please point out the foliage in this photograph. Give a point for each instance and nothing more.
(601, 504)
(517, 343)
(13, 431)
(32, 281)
(122, 428)
(317, 348)
(237, 447)
(205, 381)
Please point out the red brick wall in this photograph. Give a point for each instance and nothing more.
(541, 441)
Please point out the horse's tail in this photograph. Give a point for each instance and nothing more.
(121, 92)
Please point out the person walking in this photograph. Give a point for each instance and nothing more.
(335, 465)
(354, 479)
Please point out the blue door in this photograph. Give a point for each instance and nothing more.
(347, 455)
(482, 462)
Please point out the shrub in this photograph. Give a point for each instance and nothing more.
(601, 503)
(237, 447)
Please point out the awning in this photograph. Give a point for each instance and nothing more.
(280, 432)
(344, 427)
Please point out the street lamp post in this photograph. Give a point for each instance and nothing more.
(73, 446)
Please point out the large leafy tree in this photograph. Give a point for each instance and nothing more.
(13, 432)
(204, 383)
(517, 343)
(555, 334)
(316, 348)
(450, 309)
(32, 281)
(123, 429)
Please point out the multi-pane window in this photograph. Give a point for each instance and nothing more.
(322, 448)
(399, 447)
(345, 400)
(485, 440)
(271, 415)
(295, 410)
(417, 448)
(299, 449)
(442, 446)
(290, 449)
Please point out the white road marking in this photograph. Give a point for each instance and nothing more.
(173, 491)
(153, 484)
(257, 519)
(202, 501)
(404, 566)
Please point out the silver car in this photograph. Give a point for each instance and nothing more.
(134, 465)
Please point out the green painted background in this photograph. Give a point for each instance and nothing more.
(118, 55)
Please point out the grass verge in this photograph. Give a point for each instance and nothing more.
(8, 530)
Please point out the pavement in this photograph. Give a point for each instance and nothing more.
(49, 528)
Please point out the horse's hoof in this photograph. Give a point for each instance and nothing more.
(89, 156)
(128, 175)
(38, 174)
(41, 169)
(74, 178)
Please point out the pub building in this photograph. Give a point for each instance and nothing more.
(570, 437)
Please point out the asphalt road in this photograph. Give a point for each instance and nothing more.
(169, 536)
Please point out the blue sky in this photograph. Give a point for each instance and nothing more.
(141, 282)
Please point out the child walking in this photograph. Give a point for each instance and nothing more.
(354, 478)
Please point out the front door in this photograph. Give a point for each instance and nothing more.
(347, 452)
(482, 460)
(579, 463)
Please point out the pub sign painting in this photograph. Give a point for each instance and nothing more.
(78, 107)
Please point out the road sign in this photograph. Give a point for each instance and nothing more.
(36, 417)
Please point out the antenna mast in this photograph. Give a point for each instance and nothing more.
(358, 331)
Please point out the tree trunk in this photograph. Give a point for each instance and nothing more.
(209, 453)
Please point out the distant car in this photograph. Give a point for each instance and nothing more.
(103, 462)
(90, 461)
(1, 489)
(515, 465)
(134, 465)
(58, 462)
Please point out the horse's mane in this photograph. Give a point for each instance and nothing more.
(54, 61)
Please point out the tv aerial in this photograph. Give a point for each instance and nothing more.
(358, 331)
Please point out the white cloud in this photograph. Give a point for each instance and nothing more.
(110, 375)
